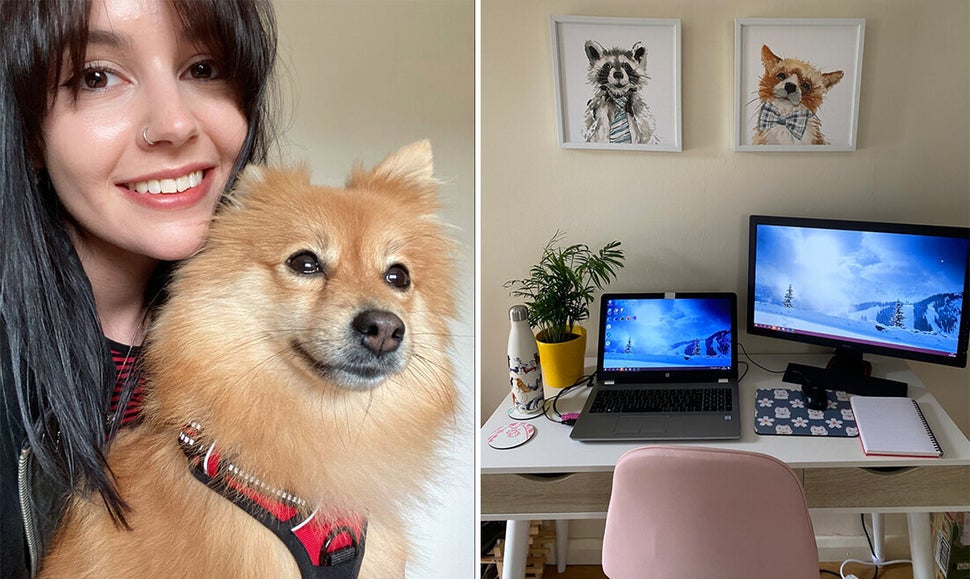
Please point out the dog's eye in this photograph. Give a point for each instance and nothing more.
(304, 263)
(806, 86)
(781, 76)
(398, 276)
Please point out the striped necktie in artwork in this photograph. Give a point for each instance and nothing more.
(620, 127)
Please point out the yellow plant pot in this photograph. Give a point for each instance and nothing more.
(563, 363)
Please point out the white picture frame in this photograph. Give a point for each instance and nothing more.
(827, 45)
(648, 46)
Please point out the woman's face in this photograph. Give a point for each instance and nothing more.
(151, 197)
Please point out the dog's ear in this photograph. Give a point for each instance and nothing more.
(594, 51)
(830, 79)
(768, 58)
(251, 180)
(410, 169)
(251, 176)
(640, 54)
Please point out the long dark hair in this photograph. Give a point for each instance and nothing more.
(61, 368)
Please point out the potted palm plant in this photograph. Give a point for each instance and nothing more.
(558, 293)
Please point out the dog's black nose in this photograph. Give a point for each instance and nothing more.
(790, 87)
(381, 331)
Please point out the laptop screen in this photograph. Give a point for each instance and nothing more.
(668, 337)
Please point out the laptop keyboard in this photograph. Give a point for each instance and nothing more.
(663, 400)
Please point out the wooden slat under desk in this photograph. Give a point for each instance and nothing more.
(839, 488)
(578, 492)
(907, 487)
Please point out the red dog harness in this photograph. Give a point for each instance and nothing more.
(323, 547)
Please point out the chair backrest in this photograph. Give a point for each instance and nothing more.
(681, 512)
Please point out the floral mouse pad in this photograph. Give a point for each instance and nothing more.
(783, 411)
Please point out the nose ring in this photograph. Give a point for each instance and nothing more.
(144, 135)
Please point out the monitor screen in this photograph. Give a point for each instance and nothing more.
(654, 332)
(864, 287)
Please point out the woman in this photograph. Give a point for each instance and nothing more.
(123, 122)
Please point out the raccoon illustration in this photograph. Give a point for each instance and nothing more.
(617, 112)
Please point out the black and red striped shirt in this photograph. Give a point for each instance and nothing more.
(125, 359)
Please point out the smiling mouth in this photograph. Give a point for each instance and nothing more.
(167, 186)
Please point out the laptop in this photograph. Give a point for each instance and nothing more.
(666, 369)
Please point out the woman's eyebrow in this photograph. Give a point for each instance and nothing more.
(108, 38)
(112, 39)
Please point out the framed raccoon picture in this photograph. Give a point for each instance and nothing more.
(797, 83)
(617, 82)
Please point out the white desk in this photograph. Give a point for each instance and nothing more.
(555, 477)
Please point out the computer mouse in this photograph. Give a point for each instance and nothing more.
(815, 396)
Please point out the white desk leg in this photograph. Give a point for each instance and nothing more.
(562, 544)
(920, 545)
(516, 549)
(878, 537)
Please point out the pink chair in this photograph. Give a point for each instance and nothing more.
(679, 512)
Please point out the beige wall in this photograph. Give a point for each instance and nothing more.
(359, 79)
(682, 216)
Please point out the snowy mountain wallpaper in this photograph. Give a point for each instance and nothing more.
(674, 333)
(891, 290)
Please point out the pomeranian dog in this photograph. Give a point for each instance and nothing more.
(617, 112)
(791, 93)
(294, 385)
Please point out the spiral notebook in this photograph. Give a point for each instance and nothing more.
(893, 426)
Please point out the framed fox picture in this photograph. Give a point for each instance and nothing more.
(797, 84)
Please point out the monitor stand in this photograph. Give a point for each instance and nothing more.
(846, 371)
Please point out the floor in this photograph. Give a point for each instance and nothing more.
(901, 571)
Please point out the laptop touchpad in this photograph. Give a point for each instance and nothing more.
(634, 425)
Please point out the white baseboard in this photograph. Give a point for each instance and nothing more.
(842, 547)
(587, 551)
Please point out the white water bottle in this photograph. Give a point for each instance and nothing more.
(525, 374)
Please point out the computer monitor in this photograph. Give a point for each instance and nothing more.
(888, 289)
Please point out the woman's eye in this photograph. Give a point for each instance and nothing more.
(397, 276)
(203, 70)
(304, 263)
(97, 79)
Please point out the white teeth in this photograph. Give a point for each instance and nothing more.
(156, 186)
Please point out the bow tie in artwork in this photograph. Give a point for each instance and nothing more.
(796, 122)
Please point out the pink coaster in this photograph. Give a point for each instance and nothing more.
(511, 435)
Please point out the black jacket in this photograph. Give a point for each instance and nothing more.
(26, 492)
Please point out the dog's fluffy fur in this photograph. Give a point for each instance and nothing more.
(268, 359)
(792, 86)
(617, 75)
